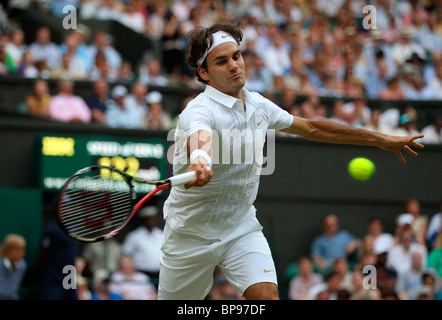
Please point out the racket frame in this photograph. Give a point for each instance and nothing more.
(134, 206)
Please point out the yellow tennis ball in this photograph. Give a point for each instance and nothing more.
(361, 168)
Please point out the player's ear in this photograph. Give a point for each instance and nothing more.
(203, 73)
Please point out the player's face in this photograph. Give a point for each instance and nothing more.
(225, 69)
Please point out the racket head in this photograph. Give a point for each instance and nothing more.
(95, 203)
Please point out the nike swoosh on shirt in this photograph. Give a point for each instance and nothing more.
(260, 122)
(267, 271)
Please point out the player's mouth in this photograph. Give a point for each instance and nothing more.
(236, 75)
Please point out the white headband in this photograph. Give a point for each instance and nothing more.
(219, 37)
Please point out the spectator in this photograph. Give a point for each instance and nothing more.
(42, 48)
(385, 275)
(132, 18)
(427, 36)
(37, 102)
(338, 113)
(305, 279)
(377, 80)
(157, 20)
(400, 255)
(157, 118)
(143, 244)
(434, 227)
(425, 292)
(435, 256)
(332, 244)
(75, 44)
(27, 66)
(382, 241)
(103, 255)
(13, 267)
(130, 283)
(361, 113)
(97, 101)
(101, 289)
(420, 221)
(359, 292)
(431, 278)
(137, 98)
(5, 59)
(340, 265)
(419, 91)
(110, 10)
(405, 47)
(15, 48)
(123, 114)
(173, 41)
(69, 70)
(67, 107)
(125, 74)
(406, 126)
(276, 57)
(393, 90)
(57, 250)
(101, 69)
(326, 290)
(150, 73)
(102, 43)
(365, 252)
(435, 81)
(433, 131)
(404, 223)
(374, 123)
(410, 280)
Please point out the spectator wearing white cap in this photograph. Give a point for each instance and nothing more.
(121, 113)
(144, 243)
(404, 222)
(157, 118)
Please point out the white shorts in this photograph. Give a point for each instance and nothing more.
(188, 263)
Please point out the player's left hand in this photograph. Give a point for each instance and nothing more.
(398, 144)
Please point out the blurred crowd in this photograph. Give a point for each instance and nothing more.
(306, 48)
(377, 265)
(404, 264)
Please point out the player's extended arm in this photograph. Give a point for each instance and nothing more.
(322, 130)
(199, 150)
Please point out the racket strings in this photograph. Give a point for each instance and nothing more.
(92, 206)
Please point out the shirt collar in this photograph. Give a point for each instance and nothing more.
(220, 97)
(229, 101)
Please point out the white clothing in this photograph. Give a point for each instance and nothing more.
(432, 136)
(144, 247)
(214, 210)
(188, 262)
(216, 225)
(383, 243)
(137, 287)
(400, 261)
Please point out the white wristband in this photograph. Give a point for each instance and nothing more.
(201, 153)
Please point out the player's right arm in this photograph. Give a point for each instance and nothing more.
(330, 131)
(199, 151)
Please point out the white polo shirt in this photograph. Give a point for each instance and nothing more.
(216, 209)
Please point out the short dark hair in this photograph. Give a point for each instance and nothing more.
(201, 39)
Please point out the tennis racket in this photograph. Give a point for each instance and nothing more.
(97, 202)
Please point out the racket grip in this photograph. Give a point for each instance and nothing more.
(182, 178)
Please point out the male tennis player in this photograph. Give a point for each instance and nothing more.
(216, 225)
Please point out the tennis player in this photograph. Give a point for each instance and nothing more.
(211, 221)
